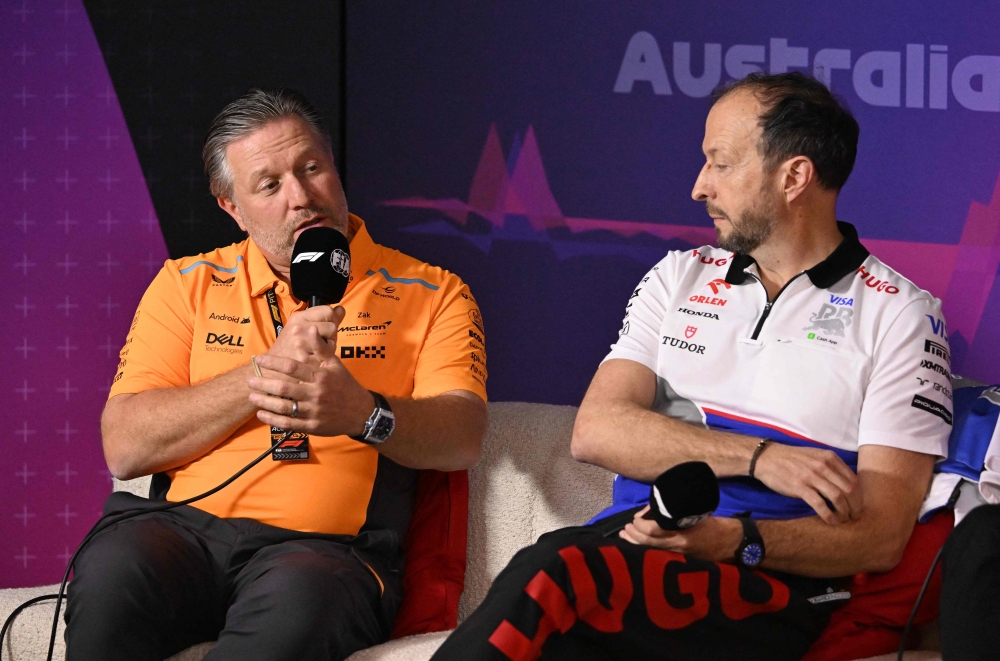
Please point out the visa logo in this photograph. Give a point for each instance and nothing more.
(840, 300)
(937, 326)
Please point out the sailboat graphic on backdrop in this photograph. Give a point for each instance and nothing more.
(514, 197)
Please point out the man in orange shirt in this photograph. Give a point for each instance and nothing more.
(301, 557)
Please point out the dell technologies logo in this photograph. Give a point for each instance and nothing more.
(224, 343)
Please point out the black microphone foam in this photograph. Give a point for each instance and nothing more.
(683, 496)
(321, 266)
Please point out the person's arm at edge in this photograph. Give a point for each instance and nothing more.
(616, 429)
(893, 483)
(444, 432)
(163, 428)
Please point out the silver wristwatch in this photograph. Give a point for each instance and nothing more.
(380, 424)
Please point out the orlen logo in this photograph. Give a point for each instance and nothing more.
(877, 285)
(225, 339)
(716, 285)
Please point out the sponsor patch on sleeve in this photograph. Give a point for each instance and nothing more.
(931, 407)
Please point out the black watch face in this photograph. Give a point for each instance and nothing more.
(752, 554)
(383, 427)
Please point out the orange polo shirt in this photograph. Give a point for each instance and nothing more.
(411, 330)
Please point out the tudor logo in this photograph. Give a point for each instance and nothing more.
(682, 345)
(690, 331)
(717, 283)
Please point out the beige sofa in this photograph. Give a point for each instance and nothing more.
(526, 484)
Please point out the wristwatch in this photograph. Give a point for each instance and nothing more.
(380, 424)
(750, 552)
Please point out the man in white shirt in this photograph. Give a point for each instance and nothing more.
(804, 371)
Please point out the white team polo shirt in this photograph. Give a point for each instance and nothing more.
(848, 353)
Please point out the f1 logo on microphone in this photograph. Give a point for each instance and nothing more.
(307, 257)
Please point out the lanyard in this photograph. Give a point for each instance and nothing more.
(272, 304)
(294, 445)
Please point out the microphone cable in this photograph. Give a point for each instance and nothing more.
(106, 522)
(916, 606)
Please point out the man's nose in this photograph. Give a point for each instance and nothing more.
(298, 194)
(701, 190)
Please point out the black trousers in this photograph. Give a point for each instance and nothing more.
(970, 588)
(578, 594)
(156, 584)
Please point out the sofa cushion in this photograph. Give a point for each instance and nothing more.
(435, 554)
(872, 621)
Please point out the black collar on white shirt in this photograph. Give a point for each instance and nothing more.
(846, 258)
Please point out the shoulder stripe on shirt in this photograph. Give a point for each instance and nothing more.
(239, 258)
(404, 281)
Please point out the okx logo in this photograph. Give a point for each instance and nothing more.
(362, 352)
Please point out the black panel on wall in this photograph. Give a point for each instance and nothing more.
(176, 63)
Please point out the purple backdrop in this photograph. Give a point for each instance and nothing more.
(546, 151)
(80, 244)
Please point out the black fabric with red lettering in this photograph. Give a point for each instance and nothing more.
(576, 594)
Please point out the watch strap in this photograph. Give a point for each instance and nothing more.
(751, 536)
(381, 404)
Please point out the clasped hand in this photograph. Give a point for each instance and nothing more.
(819, 477)
(302, 368)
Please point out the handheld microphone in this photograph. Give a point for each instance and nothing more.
(321, 266)
(683, 496)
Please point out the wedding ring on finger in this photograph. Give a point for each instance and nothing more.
(295, 409)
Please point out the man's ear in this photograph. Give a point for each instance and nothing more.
(799, 172)
(230, 207)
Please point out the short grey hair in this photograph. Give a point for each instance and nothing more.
(250, 112)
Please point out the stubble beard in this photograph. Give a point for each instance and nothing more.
(753, 228)
(280, 241)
